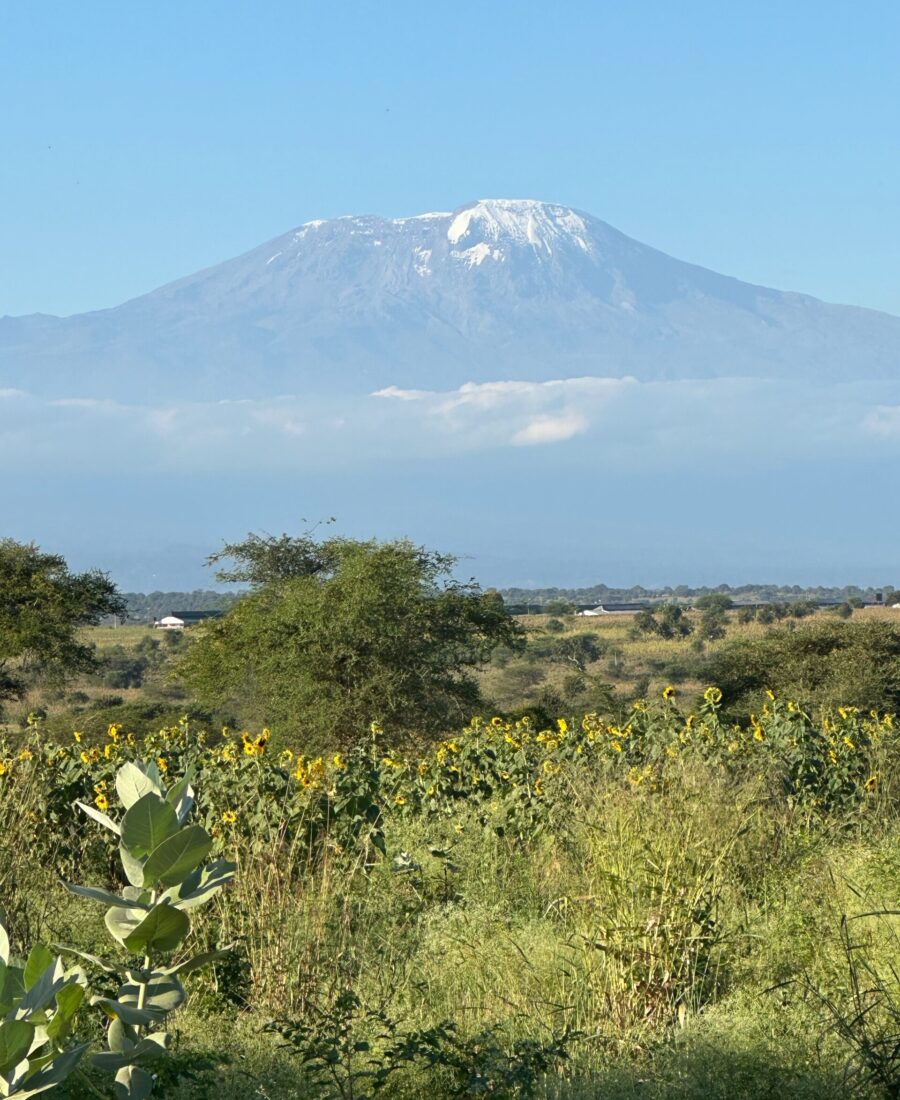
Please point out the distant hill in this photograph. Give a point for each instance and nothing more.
(153, 605)
(536, 598)
(498, 289)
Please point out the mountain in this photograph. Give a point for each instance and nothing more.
(498, 289)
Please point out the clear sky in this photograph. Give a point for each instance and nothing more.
(142, 141)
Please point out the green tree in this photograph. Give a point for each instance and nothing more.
(714, 601)
(713, 624)
(579, 650)
(825, 662)
(42, 606)
(340, 633)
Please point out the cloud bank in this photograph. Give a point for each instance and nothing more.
(615, 423)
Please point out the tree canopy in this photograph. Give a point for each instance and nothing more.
(42, 605)
(339, 633)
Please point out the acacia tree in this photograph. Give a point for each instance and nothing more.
(336, 634)
(42, 605)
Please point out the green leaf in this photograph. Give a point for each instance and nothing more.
(147, 824)
(163, 993)
(106, 897)
(52, 1074)
(16, 1037)
(120, 1037)
(12, 986)
(128, 1013)
(104, 966)
(133, 782)
(4, 938)
(132, 866)
(92, 811)
(198, 961)
(181, 797)
(68, 1001)
(163, 929)
(42, 992)
(147, 1050)
(122, 922)
(39, 958)
(201, 885)
(177, 856)
(133, 1083)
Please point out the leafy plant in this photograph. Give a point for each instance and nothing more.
(351, 1051)
(867, 1016)
(38, 1002)
(163, 860)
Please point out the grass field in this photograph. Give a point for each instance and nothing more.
(656, 903)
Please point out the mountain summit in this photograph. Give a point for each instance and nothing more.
(497, 289)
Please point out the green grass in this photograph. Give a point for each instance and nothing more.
(687, 935)
(668, 928)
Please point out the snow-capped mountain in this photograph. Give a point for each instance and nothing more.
(498, 289)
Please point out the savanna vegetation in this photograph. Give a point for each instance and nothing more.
(643, 855)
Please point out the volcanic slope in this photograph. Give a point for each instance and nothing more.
(498, 289)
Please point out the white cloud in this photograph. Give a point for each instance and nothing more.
(402, 395)
(883, 420)
(550, 429)
(282, 419)
(628, 425)
(10, 393)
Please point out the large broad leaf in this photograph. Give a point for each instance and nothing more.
(128, 1013)
(120, 1037)
(106, 897)
(177, 856)
(162, 929)
(122, 922)
(133, 782)
(198, 961)
(12, 986)
(147, 824)
(52, 1074)
(39, 958)
(106, 967)
(68, 1001)
(132, 866)
(181, 798)
(147, 1050)
(201, 885)
(92, 811)
(15, 1042)
(133, 1083)
(44, 989)
(163, 992)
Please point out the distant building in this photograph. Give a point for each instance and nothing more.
(612, 609)
(169, 622)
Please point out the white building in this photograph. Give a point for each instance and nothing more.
(169, 622)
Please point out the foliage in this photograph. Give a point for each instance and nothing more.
(163, 861)
(341, 633)
(358, 1049)
(866, 1013)
(38, 1003)
(421, 921)
(668, 621)
(42, 604)
(714, 601)
(855, 663)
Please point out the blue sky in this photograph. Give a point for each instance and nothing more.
(142, 141)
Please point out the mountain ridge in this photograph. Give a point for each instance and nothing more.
(496, 289)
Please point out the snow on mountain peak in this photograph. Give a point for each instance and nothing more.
(520, 221)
